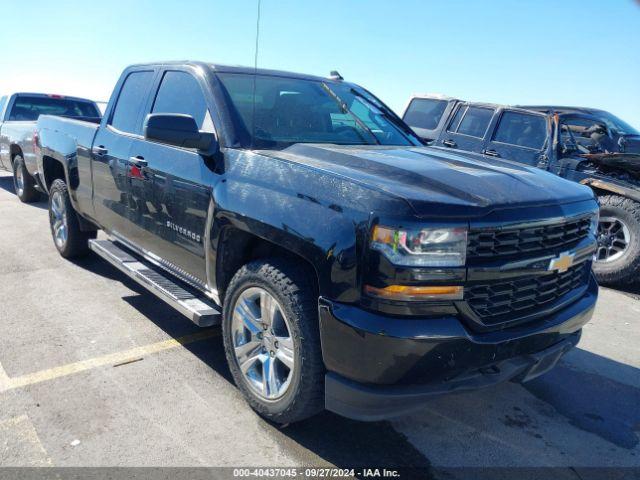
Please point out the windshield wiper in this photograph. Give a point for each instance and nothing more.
(386, 113)
(345, 109)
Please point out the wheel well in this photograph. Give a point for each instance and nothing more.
(237, 248)
(53, 170)
(14, 151)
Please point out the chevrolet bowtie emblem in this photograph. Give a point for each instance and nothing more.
(563, 263)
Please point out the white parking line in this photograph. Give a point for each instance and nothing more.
(4, 379)
(19, 435)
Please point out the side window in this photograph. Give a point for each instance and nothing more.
(132, 94)
(522, 130)
(425, 113)
(180, 92)
(475, 122)
(453, 125)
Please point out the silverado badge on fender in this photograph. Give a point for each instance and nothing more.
(563, 263)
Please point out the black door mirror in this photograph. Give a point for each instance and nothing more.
(178, 130)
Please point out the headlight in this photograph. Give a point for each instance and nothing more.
(428, 247)
(593, 226)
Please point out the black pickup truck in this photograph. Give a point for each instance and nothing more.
(585, 145)
(350, 267)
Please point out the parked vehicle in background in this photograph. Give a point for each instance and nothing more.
(428, 113)
(589, 146)
(18, 115)
(351, 267)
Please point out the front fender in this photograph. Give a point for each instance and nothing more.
(315, 216)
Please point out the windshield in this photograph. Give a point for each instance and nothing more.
(293, 110)
(28, 109)
(617, 125)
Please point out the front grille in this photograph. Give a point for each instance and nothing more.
(544, 239)
(509, 300)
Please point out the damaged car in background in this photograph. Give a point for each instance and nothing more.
(589, 146)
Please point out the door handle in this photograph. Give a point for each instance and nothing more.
(138, 161)
(449, 143)
(491, 153)
(100, 150)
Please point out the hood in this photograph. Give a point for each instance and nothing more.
(437, 183)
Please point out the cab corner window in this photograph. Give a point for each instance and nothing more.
(129, 103)
(180, 92)
(522, 130)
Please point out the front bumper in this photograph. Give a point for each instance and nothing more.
(380, 366)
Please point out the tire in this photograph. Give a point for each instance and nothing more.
(23, 183)
(622, 266)
(71, 242)
(296, 296)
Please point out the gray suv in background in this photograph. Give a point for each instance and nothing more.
(18, 116)
(589, 146)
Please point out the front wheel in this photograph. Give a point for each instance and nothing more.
(23, 182)
(65, 228)
(272, 340)
(618, 254)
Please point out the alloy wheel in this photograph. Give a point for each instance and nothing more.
(613, 239)
(262, 343)
(58, 216)
(19, 181)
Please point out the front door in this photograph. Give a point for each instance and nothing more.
(171, 186)
(467, 129)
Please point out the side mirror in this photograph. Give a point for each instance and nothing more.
(178, 130)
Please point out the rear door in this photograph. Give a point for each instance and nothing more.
(467, 128)
(171, 186)
(110, 153)
(520, 136)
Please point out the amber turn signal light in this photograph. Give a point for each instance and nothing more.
(408, 292)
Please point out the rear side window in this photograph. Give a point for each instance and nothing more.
(132, 95)
(521, 129)
(180, 92)
(28, 109)
(474, 122)
(425, 113)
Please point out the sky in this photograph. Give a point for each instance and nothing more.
(570, 52)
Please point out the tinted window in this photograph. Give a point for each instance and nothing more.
(455, 121)
(132, 94)
(275, 112)
(180, 93)
(475, 121)
(425, 113)
(522, 130)
(28, 109)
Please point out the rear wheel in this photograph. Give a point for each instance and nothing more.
(65, 227)
(618, 254)
(23, 182)
(272, 340)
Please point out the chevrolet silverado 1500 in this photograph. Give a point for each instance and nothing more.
(351, 268)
